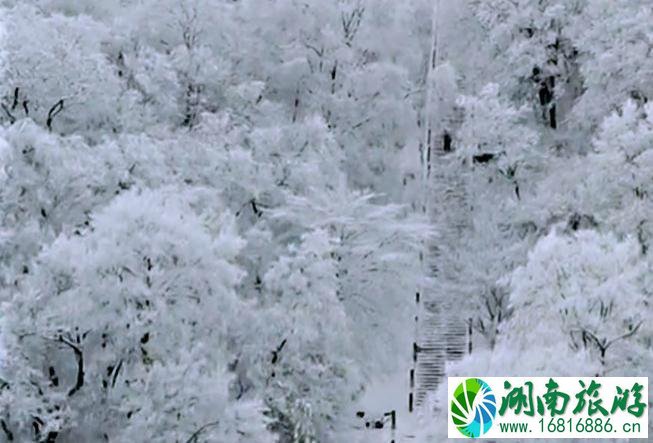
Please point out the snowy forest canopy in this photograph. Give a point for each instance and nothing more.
(215, 214)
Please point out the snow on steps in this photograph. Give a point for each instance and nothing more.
(442, 337)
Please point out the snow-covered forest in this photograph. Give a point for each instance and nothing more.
(241, 221)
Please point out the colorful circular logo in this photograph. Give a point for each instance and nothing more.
(473, 407)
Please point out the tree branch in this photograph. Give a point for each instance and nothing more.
(52, 113)
(79, 356)
(115, 374)
(12, 119)
(193, 438)
(5, 429)
(15, 101)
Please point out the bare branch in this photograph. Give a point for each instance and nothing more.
(115, 374)
(5, 429)
(79, 356)
(627, 335)
(12, 119)
(15, 102)
(52, 113)
(194, 438)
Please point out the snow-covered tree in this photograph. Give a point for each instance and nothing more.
(302, 304)
(376, 248)
(58, 74)
(614, 43)
(539, 58)
(587, 293)
(208, 225)
(120, 333)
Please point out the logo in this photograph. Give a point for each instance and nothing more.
(555, 407)
(473, 407)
